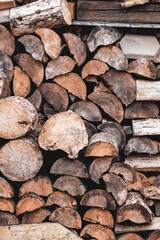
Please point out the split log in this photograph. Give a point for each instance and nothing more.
(59, 66)
(73, 83)
(71, 6)
(90, 128)
(130, 236)
(29, 203)
(34, 134)
(6, 190)
(91, 78)
(20, 159)
(116, 81)
(95, 39)
(144, 162)
(109, 103)
(151, 192)
(48, 111)
(36, 99)
(52, 134)
(21, 83)
(61, 199)
(70, 184)
(68, 217)
(142, 67)
(4, 85)
(37, 216)
(98, 167)
(113, 56)
(141, 145)
(127, 130)
(87, 110)
(32, 67)
(5, 4)
(65, 166)
(102, 144)
(98, 215)
(97, 231)
(154, 236)
(94, 67)
(142, 181)
(158, 72)
(6, 65)
(30, 17)
(7, 41)
(7, 205)
(116, 186)
(131, 3)
(4, 16)
(141, 110)
(55, 95)
(76, 47)
(128, 173)
(33, 45)
(146, 127)
(7, 218)
(157, 209)
(98, 198)
(134, 210)
(41, 186)
(147, 90)
(101, 88)
(17, 117)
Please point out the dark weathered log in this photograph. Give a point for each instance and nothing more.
(158, 72)
(66, 124)
(90, 128)
(7, 218)
(76, 47)
(154, 236)
(101, 88)
(7, 205)
(37, 216)
(91, 78)
(6, 65)
(6, 190)
(95, 39)
(4, 85)
(70, 184)
(7, 42)
(36, 99)
(65, 166)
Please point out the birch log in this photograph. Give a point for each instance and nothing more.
(4, 16)
(146, 127)
(147, 90)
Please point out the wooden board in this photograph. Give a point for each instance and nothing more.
(146, 127)
(45, 231)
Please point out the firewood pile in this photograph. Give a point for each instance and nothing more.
(79, 126)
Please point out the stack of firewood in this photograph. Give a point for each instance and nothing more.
(69, 104)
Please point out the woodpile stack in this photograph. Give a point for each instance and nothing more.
(79, 126)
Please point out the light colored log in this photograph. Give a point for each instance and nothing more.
(4, 16)
(146, 127)
(147, 90)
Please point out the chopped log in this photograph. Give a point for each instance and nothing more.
(109, 103)
(98, 215)
(34, 134)
(141, 110)
(32, 67)
(29, 203)
(6, 190)
(144, 162)
(59, 66)
(20, 159)
(156, 181)
(87, 110)
(141, 145)
(37, 216)
(134, 210)
(97, 231)
(90, 128)
(102, 144)
(113, 56)
(142, 67)
(115, 126)
(36, 99)
(30, 17)
(158, 72)
(65, 166)
(130, 236)
(101, 88)
(61, 199)
(147, 90)
(94, 67)
(7, 205)
(37, 231)
(116, 186)
(6, 4)
(157, 208)
(127, 130)
(48, 111)
(21, 83)
(70, 184)
(4, 85)
(7, 218)
(91, 78)
(6, 65)
(116, 81)
(95, 39)
(146, 127)
(68, 217)
(41, 186)
(7, 41)
(98, 167)
(4, 16)
(73, 83)
(71, 6)
(128, 173)
(55, 95)
(142, 181)
(76, 47)
(131, 3)
(66, 124)
(151, 192)
(154, 236)
(33, 45)
(24, 117)
(149, 202)
(98, 198)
